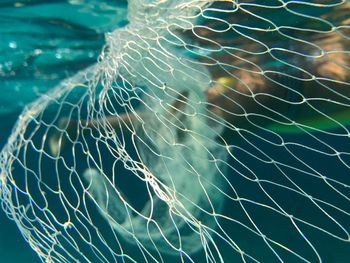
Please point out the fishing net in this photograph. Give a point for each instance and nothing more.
(208, 131)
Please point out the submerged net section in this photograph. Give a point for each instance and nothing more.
(208, 131)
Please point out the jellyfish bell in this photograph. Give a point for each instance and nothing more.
(153, 220)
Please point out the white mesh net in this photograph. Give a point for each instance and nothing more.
(208, 131)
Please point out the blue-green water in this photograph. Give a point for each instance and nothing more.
(41, 43)
(13, 248)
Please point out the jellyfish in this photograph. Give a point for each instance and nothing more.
(208, 131)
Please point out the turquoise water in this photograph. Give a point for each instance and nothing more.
(41, 43)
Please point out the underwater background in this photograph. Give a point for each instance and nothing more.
(43, 42)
